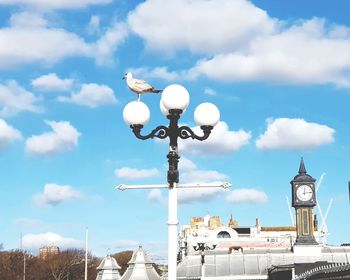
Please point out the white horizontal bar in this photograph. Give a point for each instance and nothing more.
(224, 185)
(123, 187)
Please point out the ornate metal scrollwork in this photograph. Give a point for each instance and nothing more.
(186, 132)
(173, 131)
(160, 132)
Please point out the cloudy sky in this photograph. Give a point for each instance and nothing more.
(279, 72)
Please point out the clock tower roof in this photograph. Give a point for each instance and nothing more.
(303, 176)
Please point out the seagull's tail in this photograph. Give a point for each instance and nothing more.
(156, 90)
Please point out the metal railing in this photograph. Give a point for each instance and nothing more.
(325, 271)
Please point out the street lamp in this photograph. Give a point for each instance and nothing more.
(174, 101)
(203, 246)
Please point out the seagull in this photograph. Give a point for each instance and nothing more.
(139, 86)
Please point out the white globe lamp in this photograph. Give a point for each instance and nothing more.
(206, 114)
(164, 110)
(175, 97)
(136, 112)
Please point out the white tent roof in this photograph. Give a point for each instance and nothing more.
(140, 267)
(108, 269)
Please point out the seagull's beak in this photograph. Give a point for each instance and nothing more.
(123, 78)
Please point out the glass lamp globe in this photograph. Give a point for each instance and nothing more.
(136, 112)
(175, 97)
(206, 114)
(164, 110)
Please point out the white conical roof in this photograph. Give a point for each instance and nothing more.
(108, 269)
(140, 267)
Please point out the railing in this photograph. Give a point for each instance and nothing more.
(325, 271)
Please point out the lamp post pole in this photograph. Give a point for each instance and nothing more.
(174, 101)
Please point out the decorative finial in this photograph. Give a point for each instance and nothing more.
(302, 170)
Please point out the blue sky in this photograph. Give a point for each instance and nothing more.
(279, 73)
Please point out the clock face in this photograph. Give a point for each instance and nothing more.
(304, 192)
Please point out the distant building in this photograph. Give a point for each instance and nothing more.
(212, 250)
(210, 229)
(140, 267)
(47, 251)
(108, 269)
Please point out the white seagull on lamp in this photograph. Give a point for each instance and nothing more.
(139, 86)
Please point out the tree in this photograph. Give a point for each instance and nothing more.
(10, 265)
(67, 265)
(70, 264)
(122, 259)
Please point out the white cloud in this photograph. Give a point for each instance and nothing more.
(105, 47)
(253, 47)
(199, 194)
(51, 82)
(155, 195)
(210, 91)
(91, 95)
(189, 195)
(28, 222)
(134, 173)
(94, 25)
(27, 19)
(30, 44)
(50, 238)
(64, 137)
(54, 194)
(15, 99)
(252, 196)
(55, 5)
(195, 176)
(200, 26)
(186, 164)
(189, 173)
(284, 133)
(157, 73)
(122, 245)
(39, 42)
(221, 141)
(310, 46)
(8, 134)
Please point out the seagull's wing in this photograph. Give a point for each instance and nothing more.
(141, 86)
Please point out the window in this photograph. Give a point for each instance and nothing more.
(223, 234)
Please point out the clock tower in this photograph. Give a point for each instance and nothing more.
(304, 200)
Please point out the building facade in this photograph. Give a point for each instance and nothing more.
(47, 251)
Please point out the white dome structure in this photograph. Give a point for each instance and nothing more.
(108, 269)
(140, 267)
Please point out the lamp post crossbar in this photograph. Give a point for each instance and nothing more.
(224, 185)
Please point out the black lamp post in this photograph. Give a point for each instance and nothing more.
(203, 246)
(174, 101)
